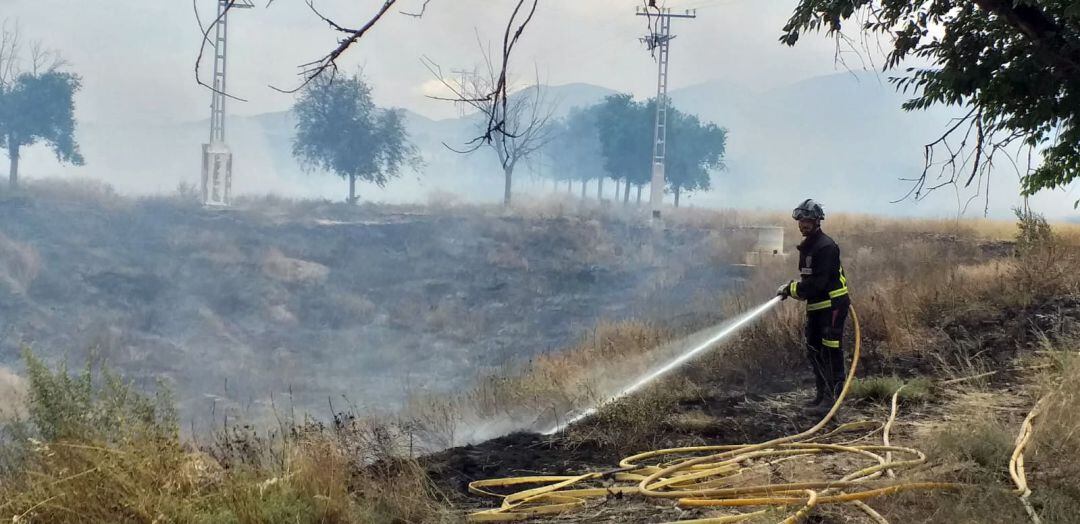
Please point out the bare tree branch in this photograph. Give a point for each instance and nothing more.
(44, 60)
(10, 46)
(521, 120)
(423, 8)
(329, 62)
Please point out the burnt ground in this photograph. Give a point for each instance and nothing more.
(737, 419)
(314, 302)
(993, 341)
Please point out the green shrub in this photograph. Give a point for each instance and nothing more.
(881, 389)
(88, 407)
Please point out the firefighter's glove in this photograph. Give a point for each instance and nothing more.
(785, 290)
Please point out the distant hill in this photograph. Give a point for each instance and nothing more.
(841, 138)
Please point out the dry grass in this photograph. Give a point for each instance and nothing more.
(692, 422)
(907, 283)
(979, 441)
(92, 449)
(635, 423)
(550, 385)
(909, 280)
(74, 189)
(1052, 463)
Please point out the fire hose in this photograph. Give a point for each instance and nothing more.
(717, 476)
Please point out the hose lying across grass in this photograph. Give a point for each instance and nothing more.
(1016, 461)
(719, 476)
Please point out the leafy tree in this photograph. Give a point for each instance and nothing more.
(625, 140)
(1013, 65)
(694, 150)
(339, 129)
(575, 147)
(36, 105)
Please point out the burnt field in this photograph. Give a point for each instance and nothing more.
(313, 302)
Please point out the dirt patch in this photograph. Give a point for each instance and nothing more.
(293, 270)
(517, 454)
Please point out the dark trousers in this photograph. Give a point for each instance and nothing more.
(824, 346)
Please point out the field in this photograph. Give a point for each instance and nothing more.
(238, 310)
(978, 320)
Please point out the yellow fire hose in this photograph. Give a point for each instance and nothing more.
(719, 477)
(1016, 461)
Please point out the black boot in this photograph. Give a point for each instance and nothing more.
(819, 392)
(823, 408)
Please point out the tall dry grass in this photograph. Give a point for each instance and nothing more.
(93, 449)
(1053, 462)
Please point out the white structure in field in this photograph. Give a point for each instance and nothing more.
(768, 243)
(216, 174)
(216, 157)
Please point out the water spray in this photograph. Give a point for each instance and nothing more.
(686, 356)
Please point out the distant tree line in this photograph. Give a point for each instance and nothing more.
(614, 140)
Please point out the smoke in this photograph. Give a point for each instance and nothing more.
(683, 351)
(606, 383)
(12, 394)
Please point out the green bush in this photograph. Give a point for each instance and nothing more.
(88, 407)
(881, 389)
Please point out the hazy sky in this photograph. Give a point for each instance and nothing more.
(137, 57)
(137, 60)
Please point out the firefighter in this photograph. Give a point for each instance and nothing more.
(823, 286)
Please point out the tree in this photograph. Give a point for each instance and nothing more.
(523, 117)
(694, 150)
(625, 140)
(1013, 65)
(339, 129)
(575, 147)
(35, 105)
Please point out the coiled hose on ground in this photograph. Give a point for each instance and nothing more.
(721, 476)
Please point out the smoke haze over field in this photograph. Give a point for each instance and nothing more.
(795, 117)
